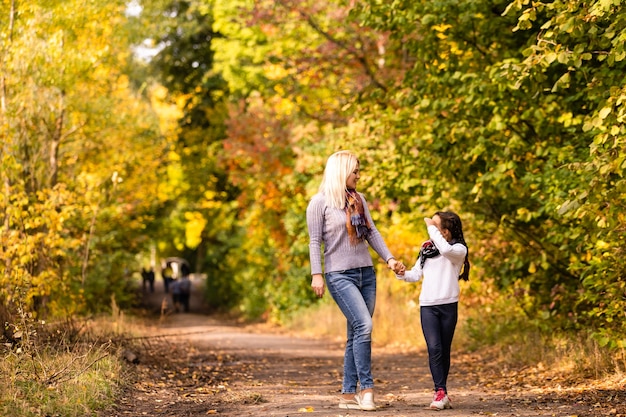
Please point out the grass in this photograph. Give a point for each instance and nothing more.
(63, 369)
(51, 383)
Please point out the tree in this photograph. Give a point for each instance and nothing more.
(72, 199)
(515, 127)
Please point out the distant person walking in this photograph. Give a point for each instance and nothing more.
(151, 277)
(338, 219)
(147, 276)
(441, 263)
(184, 287)
(175, 291)
(166, 273)
(184, 292)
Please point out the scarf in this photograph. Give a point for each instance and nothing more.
(356, 222)
(428, 250)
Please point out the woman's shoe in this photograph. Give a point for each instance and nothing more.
(349, 404)
(366, 401)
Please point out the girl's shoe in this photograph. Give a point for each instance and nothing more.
(440, 400)
(366, 401)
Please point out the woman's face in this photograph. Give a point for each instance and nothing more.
(444, 232)
(353, 178)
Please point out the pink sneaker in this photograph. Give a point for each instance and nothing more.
(440, 400)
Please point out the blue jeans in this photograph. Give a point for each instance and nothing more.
(438, 324)
(354, 291)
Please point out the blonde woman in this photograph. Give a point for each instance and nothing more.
(339, 220)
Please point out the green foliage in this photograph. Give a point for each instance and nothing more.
(508, 112)
(503, 137)
(579, 57)
(197, 220)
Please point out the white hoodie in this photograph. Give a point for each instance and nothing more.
(440, 274)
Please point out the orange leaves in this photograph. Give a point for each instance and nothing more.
(259, 159)
(258, 146)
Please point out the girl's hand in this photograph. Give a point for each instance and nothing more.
(429, 221)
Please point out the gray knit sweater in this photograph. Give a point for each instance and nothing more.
(327, 227)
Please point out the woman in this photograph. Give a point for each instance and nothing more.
(339, 220)
(439, 263)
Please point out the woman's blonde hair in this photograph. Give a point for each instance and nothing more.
(338, 167)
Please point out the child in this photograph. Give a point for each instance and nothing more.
(439, 264)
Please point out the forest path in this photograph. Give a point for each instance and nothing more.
(195, 364)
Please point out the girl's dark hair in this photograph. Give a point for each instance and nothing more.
(452, 222)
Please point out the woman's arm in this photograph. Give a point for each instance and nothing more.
(315, 224)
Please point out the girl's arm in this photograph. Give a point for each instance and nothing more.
(455, 253)
(414, 274)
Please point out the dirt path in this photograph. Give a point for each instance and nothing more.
(205, 366)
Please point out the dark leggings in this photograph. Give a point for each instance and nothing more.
(438, 324)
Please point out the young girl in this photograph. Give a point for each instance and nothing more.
(439, 264)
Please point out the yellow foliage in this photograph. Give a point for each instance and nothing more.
(193, 228)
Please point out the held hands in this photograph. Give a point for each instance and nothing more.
(318, 285)
(396, 266)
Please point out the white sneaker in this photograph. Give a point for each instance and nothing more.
(440, 400)
(366, 401)
(351, 404)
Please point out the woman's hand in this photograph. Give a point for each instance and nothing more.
(396, 266)
(318, 285)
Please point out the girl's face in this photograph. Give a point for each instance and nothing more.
(444, 232)
(353, 178)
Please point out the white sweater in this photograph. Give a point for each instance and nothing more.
(440, 274)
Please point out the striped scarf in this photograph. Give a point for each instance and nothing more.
(428, 250)
(356, 222)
